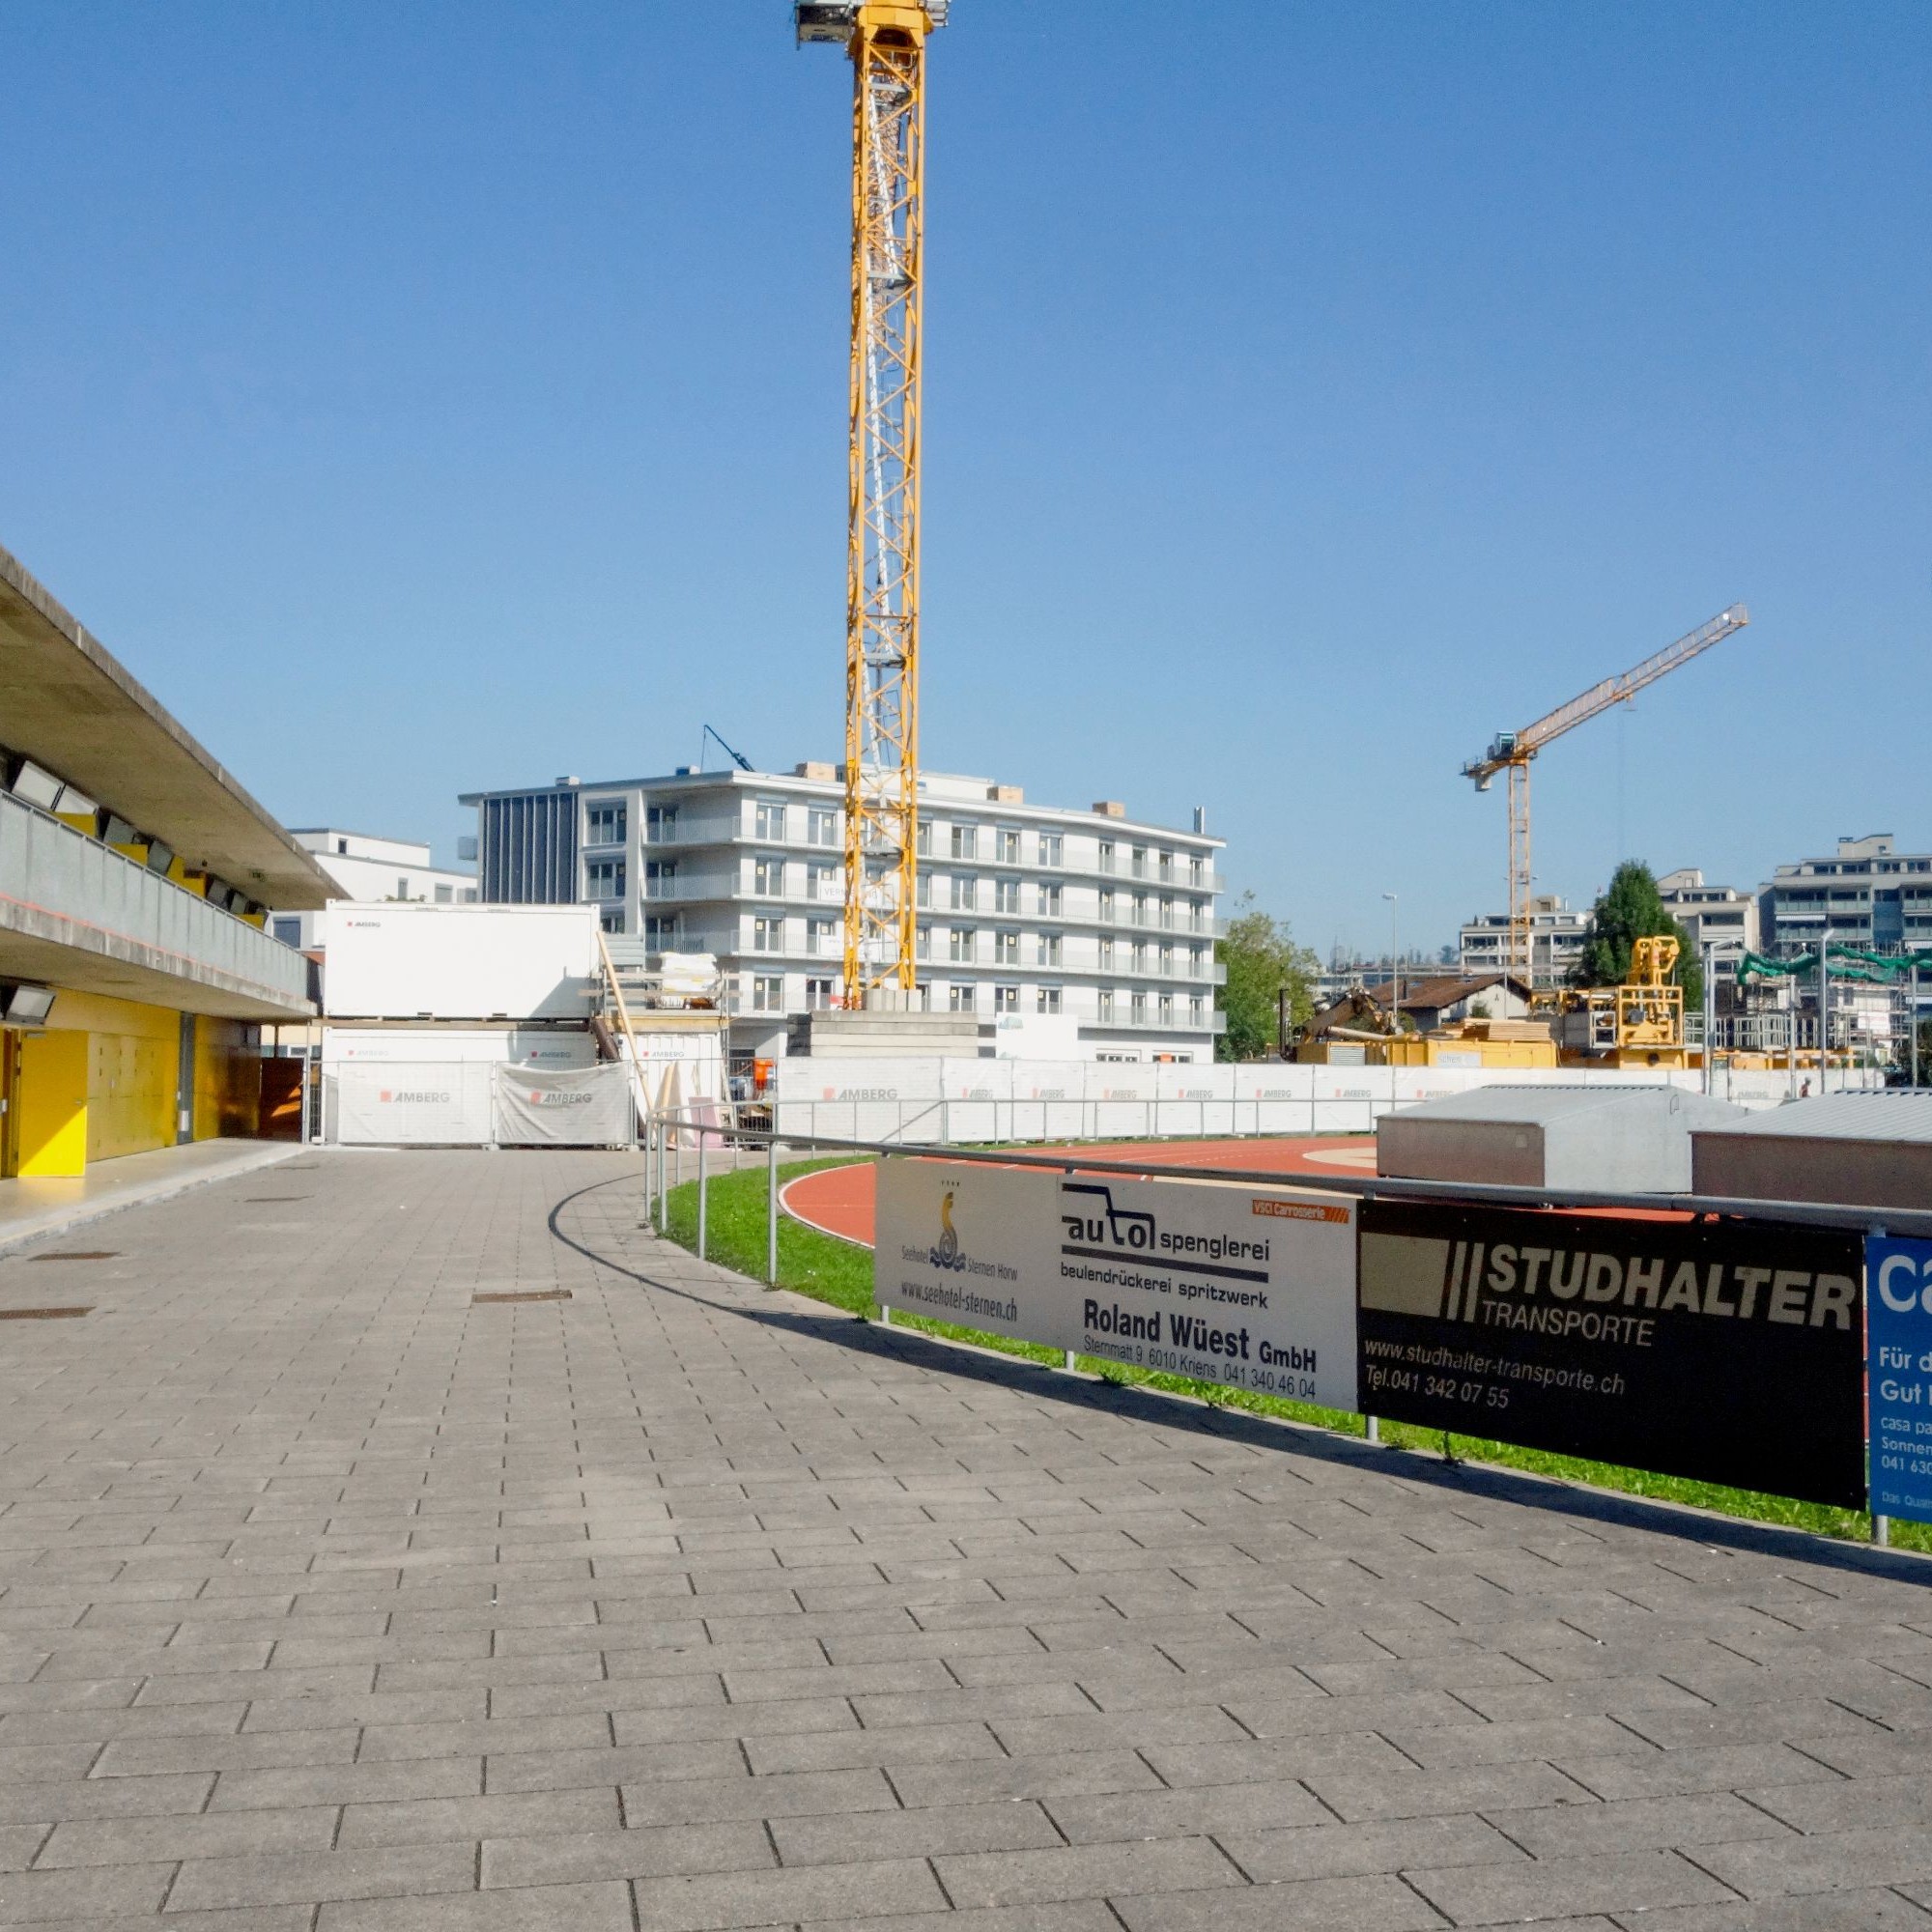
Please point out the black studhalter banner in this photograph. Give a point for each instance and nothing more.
(1729, 1351)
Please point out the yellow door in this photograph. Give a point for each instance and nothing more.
(50, 1105)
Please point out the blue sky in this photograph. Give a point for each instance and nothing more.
(445, 396)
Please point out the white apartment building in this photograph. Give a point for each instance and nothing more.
(1555, 940)
(369, 868)
(1088, 931)
(1719, 917)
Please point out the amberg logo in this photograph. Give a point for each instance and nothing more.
(412, 1096)
(946, 1252)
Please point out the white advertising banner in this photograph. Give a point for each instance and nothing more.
(589, 1108)
(1249, 1285)
(408, 1104)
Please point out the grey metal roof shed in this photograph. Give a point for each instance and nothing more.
(1871, 1150)
(1602, 1135)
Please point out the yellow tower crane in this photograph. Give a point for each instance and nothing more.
(885, 40)
(1512, 752)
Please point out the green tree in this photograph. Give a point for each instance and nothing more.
(1262, 959)
(1632, 909)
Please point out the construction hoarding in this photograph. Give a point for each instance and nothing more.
(1728, 1351)
(1246, 1286)
(1898, 1274)
(591, 1107)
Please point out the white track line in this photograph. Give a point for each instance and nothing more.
(806, 1220)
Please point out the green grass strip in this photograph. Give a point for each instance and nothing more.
(839, 1273)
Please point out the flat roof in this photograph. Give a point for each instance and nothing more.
(68, 703)
(1878, 1114)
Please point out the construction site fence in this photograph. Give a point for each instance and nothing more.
(1183, 1103)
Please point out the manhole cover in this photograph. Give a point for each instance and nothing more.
(528, 1294)
(79, 1255)
(41, 1314)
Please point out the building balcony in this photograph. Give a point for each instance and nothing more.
(77, 913)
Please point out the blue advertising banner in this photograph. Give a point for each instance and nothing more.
(1898, 1379)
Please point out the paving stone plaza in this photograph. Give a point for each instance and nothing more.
(340, 1598)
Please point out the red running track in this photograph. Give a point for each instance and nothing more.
(839, 1199)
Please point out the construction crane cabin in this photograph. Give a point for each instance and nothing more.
(886, 41)
(1512, 752)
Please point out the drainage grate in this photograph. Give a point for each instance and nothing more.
(41, 1314)
(79, 1255)
(526, 1295)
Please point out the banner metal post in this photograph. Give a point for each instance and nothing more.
(702, 1198)
(771, 1212)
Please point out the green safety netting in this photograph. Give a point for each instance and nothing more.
(1857, 962)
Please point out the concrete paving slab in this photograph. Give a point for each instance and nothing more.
(333, 1599)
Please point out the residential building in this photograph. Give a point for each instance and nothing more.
(366, 869)
(1867, 893)
(1718, 916)
(1085, 926)
(1555, 941)
(138, 875)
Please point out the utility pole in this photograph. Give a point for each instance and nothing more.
(1395, 967)
(1710, 1013)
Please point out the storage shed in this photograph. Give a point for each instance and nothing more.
(1595, 1135)
(1871, 1150)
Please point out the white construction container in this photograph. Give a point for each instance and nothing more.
(461, 962)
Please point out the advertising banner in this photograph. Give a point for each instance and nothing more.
(592, 1107)
(1898, 1282)
(1726, 1352)
(1250, 1287)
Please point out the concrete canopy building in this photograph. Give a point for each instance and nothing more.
(1086, 933)
(135, 879)
(1867, 892)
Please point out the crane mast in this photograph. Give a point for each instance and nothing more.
(886, 41)
(1512, 751)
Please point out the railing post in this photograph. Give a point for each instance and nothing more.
(771, 1212)
(703, 1199)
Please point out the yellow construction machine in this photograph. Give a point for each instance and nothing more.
(1639, 1023)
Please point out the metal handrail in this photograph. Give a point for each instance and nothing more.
(1368, 1187)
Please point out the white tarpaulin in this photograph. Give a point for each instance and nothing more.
(588, 1108)
(1249, 1285)
(410, 1104)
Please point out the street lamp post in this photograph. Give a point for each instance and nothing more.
(1395, 966)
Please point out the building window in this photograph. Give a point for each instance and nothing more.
(965, 894)
(1140, 958)
(1167, 865)
(1197, 1011)
(659, 823)
(1167, 962)
(922, 842)
(959, 943)
(1167, 1009)
(921, 891)
(768, 935)
(1197, 918)
(958, 998)
(768, 993)
(444, 893)
(1006, 948)
(1106, 955)
(1051, 848)
(1006, 895)
(1106, 1006)
(1197, 960)
(965, 842)
(1049, 999)
(1107, 906)
(821, 826)
(661, 878)
(817, 995)
(1049, 949)
(604, 822)
(610, 920)
(662, 933)
(768, 877)
(819, 936)
(1005, 999)
(1140, 908)
(1051, 900)
(342, 848)
(1167, 915)
(605, 878)
(289, 931)
(923, 943)
(1007, 840)
(403, 888)
(822, 882)
(1140, 1010)
(768, 820)
(1106, 854)
(1140, 864)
